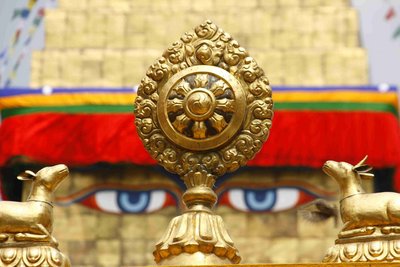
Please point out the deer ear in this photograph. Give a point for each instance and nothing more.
(363, 169)
(366, 176)
(27, 176)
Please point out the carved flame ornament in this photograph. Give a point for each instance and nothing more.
(203, 109)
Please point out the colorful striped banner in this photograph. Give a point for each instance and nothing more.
(291, 98)
(123, 108)
(81, 126)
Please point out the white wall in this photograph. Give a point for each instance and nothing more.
(7, 30)
(377, 38)
(376, 35)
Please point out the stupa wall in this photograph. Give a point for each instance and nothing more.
(104, 43)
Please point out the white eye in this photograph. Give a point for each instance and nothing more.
(251, 200)
(124, 201)
(265, 199)
(236, 199)
(286, 198)
(157, 200)
(107, 201)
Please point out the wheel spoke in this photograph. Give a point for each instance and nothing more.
(226, 105)
(218, 122)
(174, 105)
(181, 122)
(201, 81)
(182, 88)
(218, 88)
(199, 130)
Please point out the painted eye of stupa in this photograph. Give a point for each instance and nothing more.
(120, 199)
(241, 196)
(265, 199)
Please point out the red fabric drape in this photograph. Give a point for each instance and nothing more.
(298, 138)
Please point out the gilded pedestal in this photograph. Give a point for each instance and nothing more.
(374, 246)
(203, 109)
(31, 255)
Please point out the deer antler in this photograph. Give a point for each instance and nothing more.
(363, 169)
(361, 163)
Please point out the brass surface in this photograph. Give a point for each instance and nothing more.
(341, 264)
(371, 221)
(205, 259)
(198, 230)
(203, 109)
(26, 227)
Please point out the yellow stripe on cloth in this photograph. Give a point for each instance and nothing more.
(336, 96)
(71, 99)
(67, 100)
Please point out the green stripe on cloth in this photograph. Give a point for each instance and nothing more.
(69, 109)
(317, 106)
(328, 106)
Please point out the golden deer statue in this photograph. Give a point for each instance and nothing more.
(28, 225)
(371, 221)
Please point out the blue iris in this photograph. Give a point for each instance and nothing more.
(133, 202)
(260, 200)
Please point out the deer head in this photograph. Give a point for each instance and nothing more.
(48, 177)
(345, 173)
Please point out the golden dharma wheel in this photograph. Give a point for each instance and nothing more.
(204, 108)
(205, 101)
(201, 108)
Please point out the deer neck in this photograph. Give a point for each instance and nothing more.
(351, 188)
(40, 193)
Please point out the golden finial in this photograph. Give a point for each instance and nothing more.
(203, 109)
